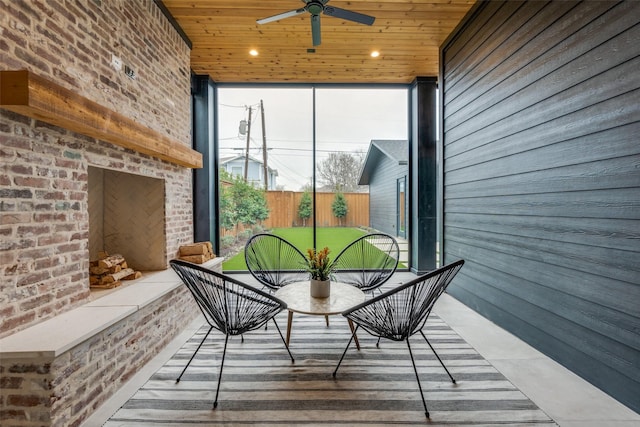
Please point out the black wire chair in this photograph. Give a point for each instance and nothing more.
(402, 312)
(367, 262)
(274, 262)
(228, 305)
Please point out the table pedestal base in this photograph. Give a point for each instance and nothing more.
(351, 326)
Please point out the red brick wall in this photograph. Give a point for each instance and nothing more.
(43, 169)
(64, 391)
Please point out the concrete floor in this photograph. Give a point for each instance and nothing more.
(569, 400)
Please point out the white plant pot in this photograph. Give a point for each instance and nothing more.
(320, 288)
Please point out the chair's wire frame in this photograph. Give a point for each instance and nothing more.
(274, 262)
(228, 305)
(367, 262)
(403, 311)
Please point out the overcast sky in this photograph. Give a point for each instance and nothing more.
(346, 120)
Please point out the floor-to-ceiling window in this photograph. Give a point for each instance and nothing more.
(303, 162)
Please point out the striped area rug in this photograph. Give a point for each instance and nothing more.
(374, 386)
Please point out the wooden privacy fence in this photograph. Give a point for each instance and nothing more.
(283, 210)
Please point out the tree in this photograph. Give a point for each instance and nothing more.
(250, 203)
(339, 207)
(227, 209)
(340, 171)
(304, 208)
(240, 202)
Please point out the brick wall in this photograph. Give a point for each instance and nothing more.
(64, 391)
(43, 174)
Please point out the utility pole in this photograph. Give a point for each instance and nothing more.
(264, 149)
(246, 156)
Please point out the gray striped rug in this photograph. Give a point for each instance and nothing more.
(374, 386)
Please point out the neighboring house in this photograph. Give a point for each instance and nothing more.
(235, 166)
(385, 171)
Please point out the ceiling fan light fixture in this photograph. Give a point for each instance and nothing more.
(253, 52)
(375, 54)
(315, 8)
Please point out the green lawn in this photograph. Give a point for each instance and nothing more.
(336, 238)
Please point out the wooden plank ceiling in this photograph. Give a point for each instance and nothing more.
(406, 33)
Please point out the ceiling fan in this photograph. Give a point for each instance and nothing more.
(315, 8)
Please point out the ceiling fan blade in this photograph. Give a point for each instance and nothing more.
(315, 29)
(360, 18)
(281, 16)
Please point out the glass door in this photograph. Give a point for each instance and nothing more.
(265, 146)
(361, 149)
(315, 165)
(401, 207)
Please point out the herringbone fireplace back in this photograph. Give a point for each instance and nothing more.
(127, 216)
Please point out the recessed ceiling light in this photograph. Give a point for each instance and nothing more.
(253, 52)
(375, 54)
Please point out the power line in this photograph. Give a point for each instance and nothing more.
(239, 106)
(320, 141)
(290, 149)
(291, 174)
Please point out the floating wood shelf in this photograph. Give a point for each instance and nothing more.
(31, 95)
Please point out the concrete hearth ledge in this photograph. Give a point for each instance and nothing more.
(57, 335)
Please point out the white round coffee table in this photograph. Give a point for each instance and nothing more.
(299, 300)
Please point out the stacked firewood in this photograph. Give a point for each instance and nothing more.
(197, 253)
(108, 270)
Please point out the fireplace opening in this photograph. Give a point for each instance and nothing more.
(127, 217)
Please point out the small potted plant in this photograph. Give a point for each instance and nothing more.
(320, 268)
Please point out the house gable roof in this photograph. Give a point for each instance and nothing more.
(395, 149)
(225, 160)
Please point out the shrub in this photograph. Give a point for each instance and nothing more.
(227, 241)
(245, 234)
(305, 208)
(240, 202)
(339, 207)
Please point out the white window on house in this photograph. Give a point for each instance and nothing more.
(236, 170)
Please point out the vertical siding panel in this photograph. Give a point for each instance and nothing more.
(383, 195)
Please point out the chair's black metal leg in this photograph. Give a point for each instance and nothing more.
(345, 350)
(440, 360)
(385, 320)
(426, 411)
(194, 353)
(283, 340)
(224, 352)
(269, 291)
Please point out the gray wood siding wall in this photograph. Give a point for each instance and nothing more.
(383, 195)
(541, 125)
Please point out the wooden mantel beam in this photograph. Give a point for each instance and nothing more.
(28, 94)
